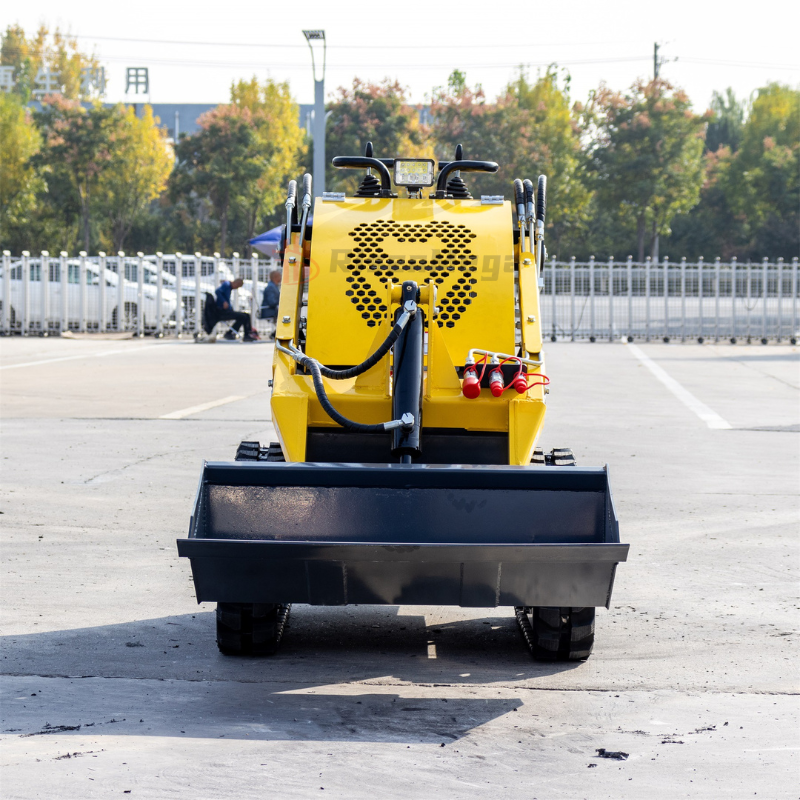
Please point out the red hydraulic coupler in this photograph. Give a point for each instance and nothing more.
(496, 382)
(520, 383)
(471, 386)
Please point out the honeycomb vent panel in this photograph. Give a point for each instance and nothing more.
(385, 250)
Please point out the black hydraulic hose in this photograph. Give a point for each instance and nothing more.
(541, 198)
(319, 388)
(352, 372)
(359, 369)
(527, 185)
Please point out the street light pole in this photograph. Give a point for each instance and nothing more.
(319, 111)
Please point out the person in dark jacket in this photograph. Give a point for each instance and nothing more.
(225, 309)
(272, 296)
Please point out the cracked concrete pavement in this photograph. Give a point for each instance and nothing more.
(111, 682)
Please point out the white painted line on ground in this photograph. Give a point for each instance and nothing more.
(711, 418)
(74, 358)
(187, 412)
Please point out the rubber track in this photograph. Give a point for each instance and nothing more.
(557, 457)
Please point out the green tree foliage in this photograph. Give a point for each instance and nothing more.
(726, 126)
(371, 112)
(235, 168)
(20, 181)
(763, 181)
(136, 174)
(57, 52)
(530, 130)
(647, 157)
(749, 203)
(219, 161)
(77, 148)
(281, 144)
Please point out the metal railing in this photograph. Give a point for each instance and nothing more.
(670, 300)
(580, 300)
(46, 295)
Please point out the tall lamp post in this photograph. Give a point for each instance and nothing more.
(319, 110)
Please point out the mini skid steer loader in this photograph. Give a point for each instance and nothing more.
(409, 392)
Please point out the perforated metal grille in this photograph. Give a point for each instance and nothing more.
(447, 260)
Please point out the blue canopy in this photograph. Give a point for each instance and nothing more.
(268, 243)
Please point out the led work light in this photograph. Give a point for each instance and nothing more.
(413, 171)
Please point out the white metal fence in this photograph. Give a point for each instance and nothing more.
(44, 294)
(668, 300)
(579, 299)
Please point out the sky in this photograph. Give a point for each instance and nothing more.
(194, 51)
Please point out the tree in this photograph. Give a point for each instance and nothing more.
(647, 156)
(280, 143)
(764, 175)
(19, 179)
(219, 161)
(530, 129)
(76, 148)
(726, 126)
(137, 172)
(461, 115)
(57, 53)
(371, 112)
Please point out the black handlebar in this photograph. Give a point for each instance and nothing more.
(445, 168)
(363, 162)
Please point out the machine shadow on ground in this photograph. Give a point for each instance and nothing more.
(321, 645)
(169, 673)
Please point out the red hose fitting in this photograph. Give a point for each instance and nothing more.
(471, 387)
(520, 383)
(496, 382)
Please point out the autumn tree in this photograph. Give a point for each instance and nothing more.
(19, 179)
(371, 112)
(58, 53)
(279, 142)
(647, 157)
(530, 129)
(219, 161)
(136, 173)
(77, 147)
(764, 175)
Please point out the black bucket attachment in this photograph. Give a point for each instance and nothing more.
(332, 534)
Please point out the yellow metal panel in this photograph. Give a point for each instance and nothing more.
(289, 406)
(359, 244)
(291, 285)
(525, 420)
(530, 316)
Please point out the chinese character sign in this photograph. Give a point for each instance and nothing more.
(93, 80)
(6, 79)
(46, 82)
(137, 79)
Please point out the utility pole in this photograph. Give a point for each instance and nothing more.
(319, 111)
(656, 63)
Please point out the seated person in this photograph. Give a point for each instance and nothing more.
(225, 309)
(272, 295)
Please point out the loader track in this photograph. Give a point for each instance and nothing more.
(553, 633)
(253, 451)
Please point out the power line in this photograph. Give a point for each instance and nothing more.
(441, 46)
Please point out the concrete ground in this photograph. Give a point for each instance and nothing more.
(112, 684)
